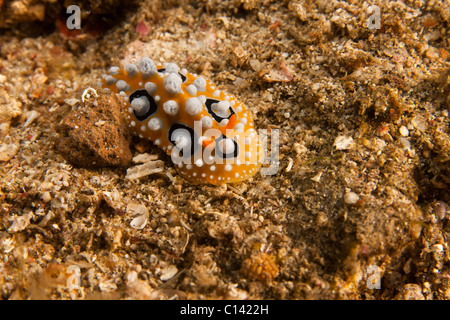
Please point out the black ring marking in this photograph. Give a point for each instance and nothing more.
(192, 134)
(209, 102)
(219, 153)
(183, 77)
(153, 105)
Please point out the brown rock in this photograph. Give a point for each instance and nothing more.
(95, 133)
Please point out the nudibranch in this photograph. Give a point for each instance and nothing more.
(208, 133)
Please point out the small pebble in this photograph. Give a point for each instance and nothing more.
(405, 143)
(46, 197)
(343, 143)
(351, 198)
(419, 123)
(7, 151)
(404, 131)
(168, 273)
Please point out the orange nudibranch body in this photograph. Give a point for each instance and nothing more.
(208, 133)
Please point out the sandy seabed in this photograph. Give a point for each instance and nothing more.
(358, 209)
